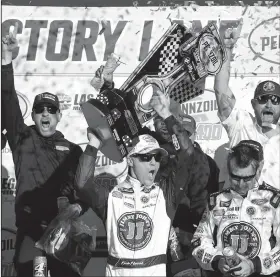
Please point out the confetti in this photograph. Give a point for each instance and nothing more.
(137, 32)
(258, 67)
(241, 3)
(104, 24)
(254, 73)
(112, 63)
(271, 69)
(194, 7)
(245, 10)
(135, 4)
(257, 56)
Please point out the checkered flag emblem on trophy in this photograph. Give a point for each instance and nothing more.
(168, 55)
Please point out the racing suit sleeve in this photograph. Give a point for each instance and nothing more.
(185, 153)
(89, 190)
(203, 243)
(269, 263)
(12, 116)
(68, 189)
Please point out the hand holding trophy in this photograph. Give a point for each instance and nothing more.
(174, 70)
(104, 74)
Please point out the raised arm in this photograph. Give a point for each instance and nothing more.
(224, 95)
(181, 142)
(11, 113)
(89, 188)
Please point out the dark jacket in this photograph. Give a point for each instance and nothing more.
(204, 180)
(44, 166)
(196, 193)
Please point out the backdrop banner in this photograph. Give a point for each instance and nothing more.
(60, 48)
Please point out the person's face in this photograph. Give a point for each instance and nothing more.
(242, 179)
(46, 118)
(144, 167)
(161, 129)
(267, 109)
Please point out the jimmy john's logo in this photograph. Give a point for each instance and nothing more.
(243, 237)
(135, 230)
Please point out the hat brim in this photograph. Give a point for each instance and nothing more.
(267, 93)
(160, 150)
(45, 102)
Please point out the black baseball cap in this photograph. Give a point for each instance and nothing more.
(267, 88)
(46, 98)
(256, 147)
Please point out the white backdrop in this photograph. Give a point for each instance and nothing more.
(63, 67)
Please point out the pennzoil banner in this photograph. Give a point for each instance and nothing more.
(60, 48)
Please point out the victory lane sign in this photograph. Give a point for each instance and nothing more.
(177, 65)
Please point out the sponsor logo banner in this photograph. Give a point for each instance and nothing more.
(84, 38)
(8, 240)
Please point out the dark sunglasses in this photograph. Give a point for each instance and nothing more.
(275, 100)
(50, 109)
(148, 157)
(244, 178)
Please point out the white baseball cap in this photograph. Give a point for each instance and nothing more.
(147, 144)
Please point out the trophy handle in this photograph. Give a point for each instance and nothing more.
(98, 119)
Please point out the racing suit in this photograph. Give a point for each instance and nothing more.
(137, 219)
(246, 224)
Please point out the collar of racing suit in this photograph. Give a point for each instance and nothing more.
(136, 185)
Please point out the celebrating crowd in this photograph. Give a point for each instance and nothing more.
(172, 186)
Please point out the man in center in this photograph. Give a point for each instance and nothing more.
(138, 212)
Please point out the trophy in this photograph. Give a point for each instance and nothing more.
(177, 65)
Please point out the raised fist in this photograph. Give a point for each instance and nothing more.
(232, 35)
(9, 42)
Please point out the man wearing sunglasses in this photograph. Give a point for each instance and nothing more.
(239, 123)
(138, 212)
(45, 165)
(245, 217)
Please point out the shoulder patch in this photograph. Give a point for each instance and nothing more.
(265, 186)
(126, 190)
(213, 198)
(225, 204)
(117, 194)
(275, 198)
(62, 148)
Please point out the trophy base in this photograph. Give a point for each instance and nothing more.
(96, 116)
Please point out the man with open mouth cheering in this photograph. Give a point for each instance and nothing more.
(239, 123)
(138, 212)
(45, 165)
